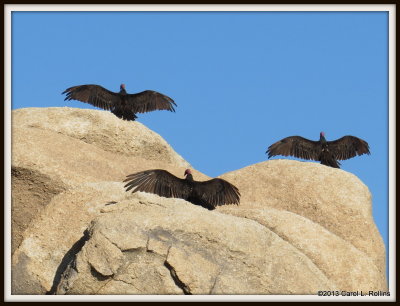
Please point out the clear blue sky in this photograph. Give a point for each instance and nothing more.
(241, 81)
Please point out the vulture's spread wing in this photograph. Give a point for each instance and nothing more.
(93, 94)
(149, 100)
(296, 146)
(159, 182)
(216, 192)
(348, 147)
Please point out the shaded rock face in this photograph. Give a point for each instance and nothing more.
(48, 244)
(300, 227)
(31, 192)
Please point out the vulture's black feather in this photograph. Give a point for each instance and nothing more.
(327, 152)
(208, 194)
(121, 104)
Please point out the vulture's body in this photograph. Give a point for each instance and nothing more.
(327, 152)
(208, 194)
(121, 104)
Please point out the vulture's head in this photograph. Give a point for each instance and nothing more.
(322, 134)
(187, 171)
(122, 86)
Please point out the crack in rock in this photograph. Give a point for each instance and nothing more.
(96, 274)
(215, 281)
(176, 279)
(68, 260)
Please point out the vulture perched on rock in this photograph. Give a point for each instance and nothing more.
(121, 104)
(208, 194)
(327, 152)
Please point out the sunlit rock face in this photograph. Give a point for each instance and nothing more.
(300, 227)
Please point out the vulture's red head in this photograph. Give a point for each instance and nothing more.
(122, 86)
(322, 134)
(187, 171)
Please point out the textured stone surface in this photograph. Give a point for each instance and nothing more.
(75, 146)
(200, 251)
(300, 227)
(101, 129)
(333, 198)
(31, 191)
(55, 231)
(342, 263)
(54, 149)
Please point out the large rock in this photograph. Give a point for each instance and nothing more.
(179, 248)
(332, 198)
(300, 227)
(54, 149)
(75, 146)
(102, 129)
(51, 241)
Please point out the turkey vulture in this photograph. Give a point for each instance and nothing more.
(121, 104)
(327, 152)
(208, 194)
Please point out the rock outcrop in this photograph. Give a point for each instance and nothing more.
(300, 227)
(180, 248)
(332, 199)
(54, 149)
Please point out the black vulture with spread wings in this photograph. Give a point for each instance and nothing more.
(208, 194)
(121, 104)
(327, 152)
